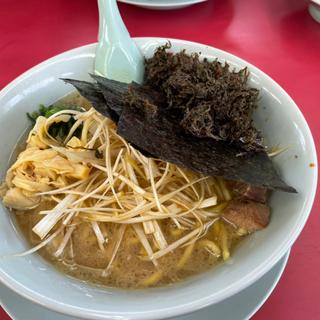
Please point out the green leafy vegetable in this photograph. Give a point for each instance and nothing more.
(50, 110)
(57, 130)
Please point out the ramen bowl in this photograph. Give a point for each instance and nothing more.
(278, 118)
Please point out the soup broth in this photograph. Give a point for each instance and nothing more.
(83, 259)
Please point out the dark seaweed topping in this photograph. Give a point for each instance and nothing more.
(207, 98)
(145, 125)
(177, 121)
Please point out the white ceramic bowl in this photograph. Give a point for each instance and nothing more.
(281, 122)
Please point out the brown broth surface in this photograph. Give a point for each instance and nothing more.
(129, 269)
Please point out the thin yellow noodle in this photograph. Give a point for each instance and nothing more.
(153, 279)
(176, 232)
(224, 242)
(186, 256)
(224, 189)
(216, 187)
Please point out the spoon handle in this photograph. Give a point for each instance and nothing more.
(117, 56)
(111, 26)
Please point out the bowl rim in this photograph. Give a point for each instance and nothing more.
(194, 305)
(162, 5)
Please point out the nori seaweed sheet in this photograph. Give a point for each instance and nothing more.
(156, 133)
(197, 114)
(93, 93)
(197, 154)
